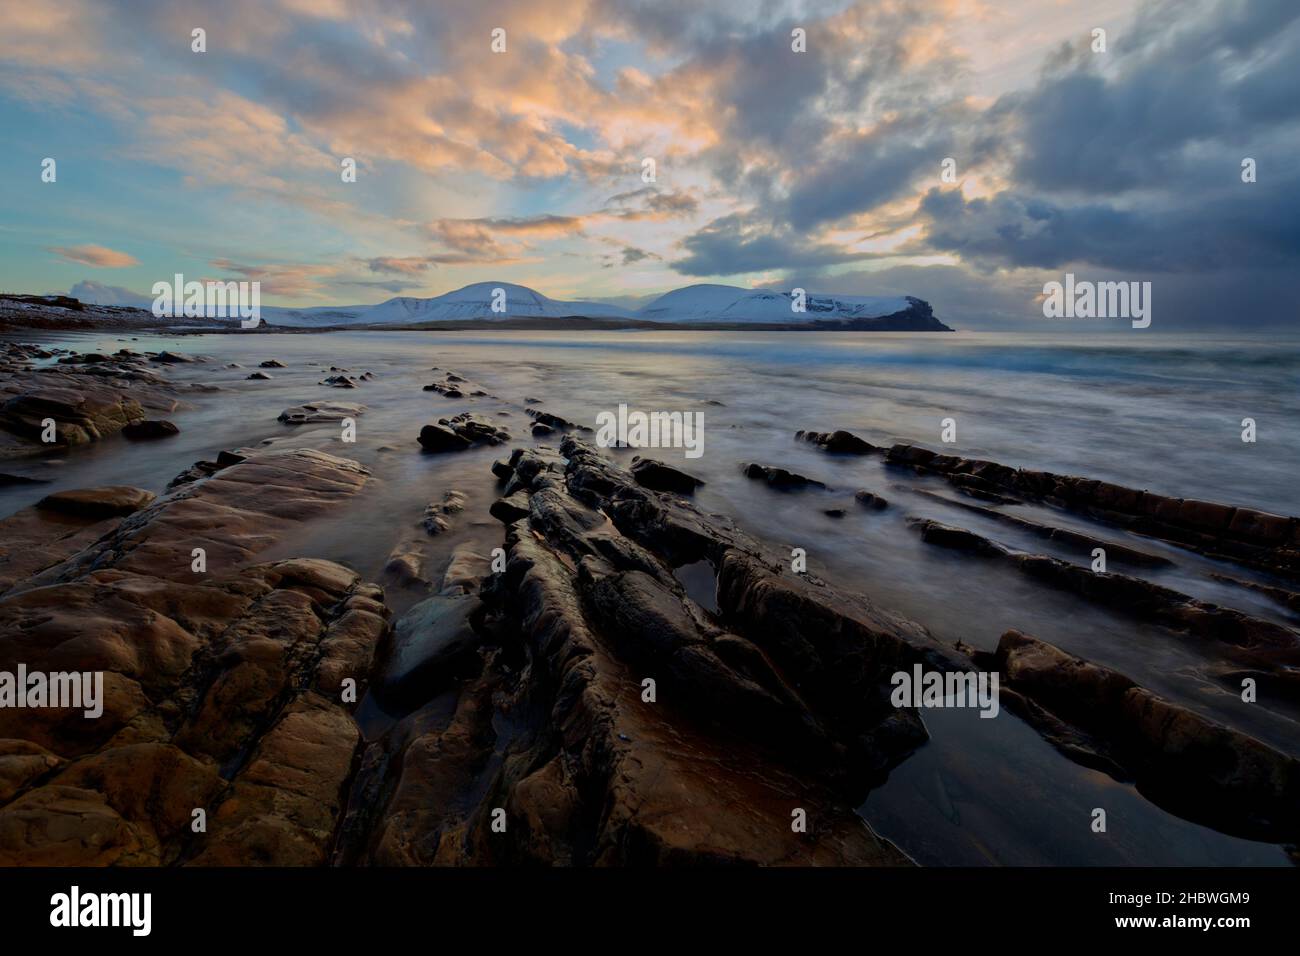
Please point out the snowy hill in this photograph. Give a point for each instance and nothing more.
(725, 303)
(475, 302)
(692, 305)
(704, 305)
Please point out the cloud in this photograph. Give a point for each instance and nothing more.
(97, 293)
(497, 240)
(632, 254)
(1135, 165)
(652, 203)
(733, 245)
(409, 265)
(822, 165)
(288, 280)
(101, 257)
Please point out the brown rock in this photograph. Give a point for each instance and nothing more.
(95, 503)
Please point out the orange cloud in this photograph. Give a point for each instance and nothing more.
(101, 257)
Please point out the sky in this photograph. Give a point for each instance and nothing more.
(820, 168)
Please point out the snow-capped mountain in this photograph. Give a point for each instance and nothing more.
(725, 303)
(695, 305)
(692, 305)
(476, 301)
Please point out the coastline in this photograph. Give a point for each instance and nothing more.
(613, 571)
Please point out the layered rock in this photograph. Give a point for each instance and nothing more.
(227, 690)
(1131, 596)
(1178, 758)
(89, 399)
(776, 703)
(1245, 535)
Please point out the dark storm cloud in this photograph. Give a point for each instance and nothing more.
(860, 175)
(1141, 168)
(727, 246)
(1250, 228)
(1188, 89)
(1128, 161)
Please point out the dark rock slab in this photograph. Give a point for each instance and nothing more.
(108, 502)
(150, 429)
(780, 478)
(661, 477)
(838, 442)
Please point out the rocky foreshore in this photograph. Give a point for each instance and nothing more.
(619, 677)
(82, 398)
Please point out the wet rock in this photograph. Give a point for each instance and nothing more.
(33, 539)
(779, 478)
(271, 363)
(339, 381)
(838, 442)
(539, 430)
(959, 539)
(173, 358)
(661, 477)
(6, 480)
(1129, 595)
(437, 515)
(553, 421)
(1287, 598)
(475, 429)
(205, 469)
(441, 438)
(870, 500)
(259, 376)
(1198, 768)
(110, 502)
(465, 571)
(588, 587)
(834, 512)
(405, 566)
(21, 763)
(82, 411)
(150, 429)
(314, 412)
(1065, 537)
(236, 671)
(1244, 535)
(432, 644)
(283, 807)
(507, 510)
